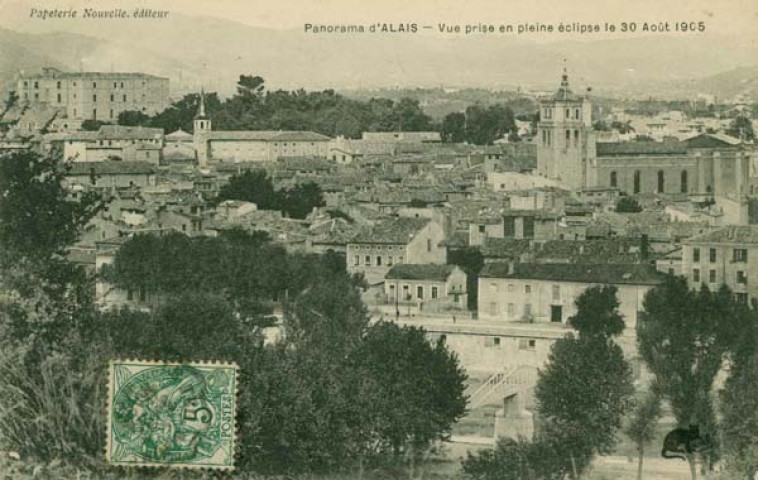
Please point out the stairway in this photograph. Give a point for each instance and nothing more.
(513, 379)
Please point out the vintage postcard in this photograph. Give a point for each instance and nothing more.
(459, 240)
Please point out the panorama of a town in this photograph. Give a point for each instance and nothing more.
(318, 252)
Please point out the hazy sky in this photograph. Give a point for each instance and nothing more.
(724, 17)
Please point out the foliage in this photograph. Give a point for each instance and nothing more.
(132, 118)
(739, 409)
(485, 125)
(471, 261)
(597, 313)
(585, 424)
(256, 186)
(628, 205)
(92, 125)
(684, 336)
(454, 127)
(37, 217)
(517, 460)
(641, 427)
(741, 127)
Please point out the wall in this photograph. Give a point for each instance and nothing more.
(725, 267)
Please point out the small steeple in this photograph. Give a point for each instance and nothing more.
(201, 106)
(565, 79)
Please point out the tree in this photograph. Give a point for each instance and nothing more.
(684, 337)
(454, 127)
(585, 389)
(416, 388)
(300, 201)
(471, 261)
(251, 186)
(92, 125)
(517, 460)
(628, 205)
(133, 118)
(742, 128)
(37, 216)
(485, 125)
(644, 419)
(739, 406)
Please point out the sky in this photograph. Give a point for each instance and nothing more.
(722, 17)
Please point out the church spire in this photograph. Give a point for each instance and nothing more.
(201, 106)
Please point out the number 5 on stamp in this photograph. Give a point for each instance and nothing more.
(178, 415)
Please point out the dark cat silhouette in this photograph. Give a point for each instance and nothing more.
(683, 441)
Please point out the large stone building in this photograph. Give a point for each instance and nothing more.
(95, 95)
(252, 146)
(568, 151)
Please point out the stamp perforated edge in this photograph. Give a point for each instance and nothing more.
(173, 466)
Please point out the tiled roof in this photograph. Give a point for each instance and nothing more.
(267, 136)
(509, 248)
(111, 168)
(731, 234)
(394, 231)
(96, 75)
(609, 149)
(634, 274)
(408, 271)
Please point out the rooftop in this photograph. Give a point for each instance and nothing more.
(731, 234)
(609, 149)
(267, 136)
(629, 274)
(393, 231)
(110, 168)
(409, 271)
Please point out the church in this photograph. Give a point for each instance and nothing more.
(221, 146)
(715, 165)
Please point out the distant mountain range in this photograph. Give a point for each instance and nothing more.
(194, 51)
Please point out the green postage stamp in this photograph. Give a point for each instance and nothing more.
(172, 414)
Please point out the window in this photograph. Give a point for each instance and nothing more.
(58, 85)
(741, 277)
(711, 276)
(696, 255)
(378, 261)
(94, 98)
(389, 261)
(122, 84)
(568, 137)
(481, 228)
(435, 292)
(428, 244)
(577, 114)
(94, 84)
(367, 260)
(36, 84)
(406, 292)
(420, 292)
(712, 255)
(511, 310)
(696, 275)
(527, 344)
(683, 182)
(493, 308)
(556, 313)
(59, 98)
(614, 179)
(124, 97)
(491, 341)
(527, 309)
(115, 84)
(740, 255)
(661, 181)
(556, 293)
(527, 289)
(636, 181)
(392, 290)
(94, 114)
(568, 114)
(511, 287)
(112, 97)
(493, 287)
(576, 138)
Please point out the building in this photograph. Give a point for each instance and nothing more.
(404, 137)
(111, 142)
(726, 256)
(568, 151)
(110, 175)
(252, 146)
(374, 251)
(545, 293)
(431, 287)
(95, 95)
